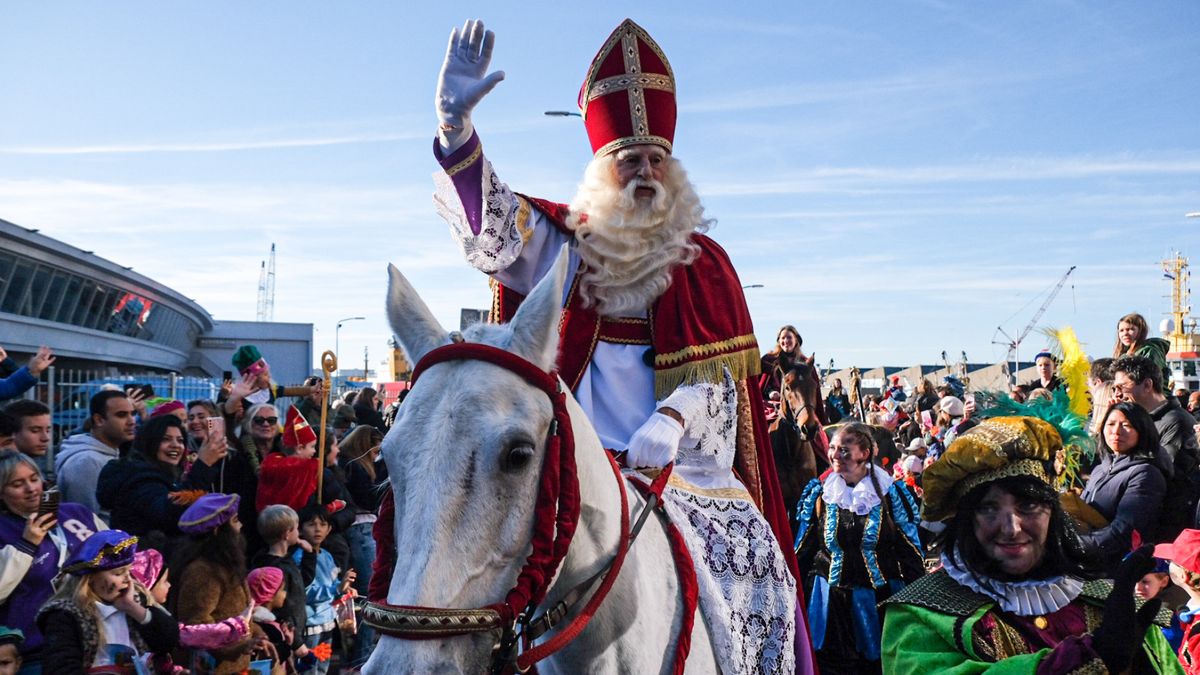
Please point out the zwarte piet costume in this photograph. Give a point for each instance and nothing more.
(960, 619)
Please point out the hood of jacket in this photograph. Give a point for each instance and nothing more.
(81, 444)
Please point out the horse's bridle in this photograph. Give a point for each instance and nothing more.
(556, 515)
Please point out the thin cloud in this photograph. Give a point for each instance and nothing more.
(835, 179)
(224, 146)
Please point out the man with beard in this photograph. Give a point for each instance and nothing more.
(657, 343)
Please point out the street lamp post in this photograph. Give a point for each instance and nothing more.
(337, 335)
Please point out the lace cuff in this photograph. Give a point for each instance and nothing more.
(709, 414)
(500, 230)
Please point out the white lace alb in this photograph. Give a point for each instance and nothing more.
(1023, 598)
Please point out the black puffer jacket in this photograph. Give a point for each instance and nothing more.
(136, 491)
(1128, 490)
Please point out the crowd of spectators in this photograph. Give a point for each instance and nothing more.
(195, 535)
(220, 535)
(864, 524)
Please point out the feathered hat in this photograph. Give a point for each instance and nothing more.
(628, 96)
(997, 448)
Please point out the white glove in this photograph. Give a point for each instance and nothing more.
(655, 442)
(463, 82)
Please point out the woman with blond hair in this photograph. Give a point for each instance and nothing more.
(1133, 337)
(34, 544)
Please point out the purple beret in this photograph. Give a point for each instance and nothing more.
(105, 550)
(208, 513)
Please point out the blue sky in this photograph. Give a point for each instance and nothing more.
(901, 177)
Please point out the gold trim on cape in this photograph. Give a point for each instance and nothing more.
(682, 484)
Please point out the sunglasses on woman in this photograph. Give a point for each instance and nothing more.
(266, 420)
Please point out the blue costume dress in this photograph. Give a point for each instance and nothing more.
(855, 551)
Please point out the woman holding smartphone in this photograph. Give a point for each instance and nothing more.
(35, 535)
(141, 490)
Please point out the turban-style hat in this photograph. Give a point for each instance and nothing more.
(104, 550)
(208, 513)
(997, 448)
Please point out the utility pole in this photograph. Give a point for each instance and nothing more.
(366, 359)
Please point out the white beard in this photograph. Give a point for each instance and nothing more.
(630, 247)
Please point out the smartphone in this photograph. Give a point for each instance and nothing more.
(50, 500)
(216, 425)
(145, 390)
(969, 399)
(926, 419)
(227, 374)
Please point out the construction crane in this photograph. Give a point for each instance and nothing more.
(266, 288)
(1014, 344)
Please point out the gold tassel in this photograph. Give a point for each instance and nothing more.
(742, 364)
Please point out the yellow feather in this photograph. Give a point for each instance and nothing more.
(1074, 370)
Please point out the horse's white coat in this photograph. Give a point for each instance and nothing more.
(463, 525)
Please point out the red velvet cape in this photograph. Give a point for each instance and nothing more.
(699, 325)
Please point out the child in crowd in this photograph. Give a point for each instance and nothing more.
(279, 527)
(211, 567)
(10, 650)
(290, 477)
(268, 592)
(1184, 554)
(322, 583)
(100, 616)
(151, 572)
(1152, 586)
(912, 465)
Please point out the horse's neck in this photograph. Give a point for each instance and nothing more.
(599, 530)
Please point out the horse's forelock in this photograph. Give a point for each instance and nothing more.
(457, 503)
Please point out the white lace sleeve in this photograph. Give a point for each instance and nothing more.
(709, 413)
(504, 228)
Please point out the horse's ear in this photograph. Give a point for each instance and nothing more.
(811, 358)
(412, 322)
(535, 325)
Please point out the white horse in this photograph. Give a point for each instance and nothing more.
(464, 457)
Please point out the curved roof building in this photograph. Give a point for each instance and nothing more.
(96, 313)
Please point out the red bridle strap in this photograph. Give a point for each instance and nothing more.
(556, 512)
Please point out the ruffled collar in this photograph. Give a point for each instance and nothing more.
(1023, 598)
(862, 497)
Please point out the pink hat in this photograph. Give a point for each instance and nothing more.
(147, 567)
(167, 408)
(264, 583)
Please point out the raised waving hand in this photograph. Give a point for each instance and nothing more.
(464, 81)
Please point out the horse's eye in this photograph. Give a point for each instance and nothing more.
(516, 457)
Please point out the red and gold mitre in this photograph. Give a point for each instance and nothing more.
(628, 97)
